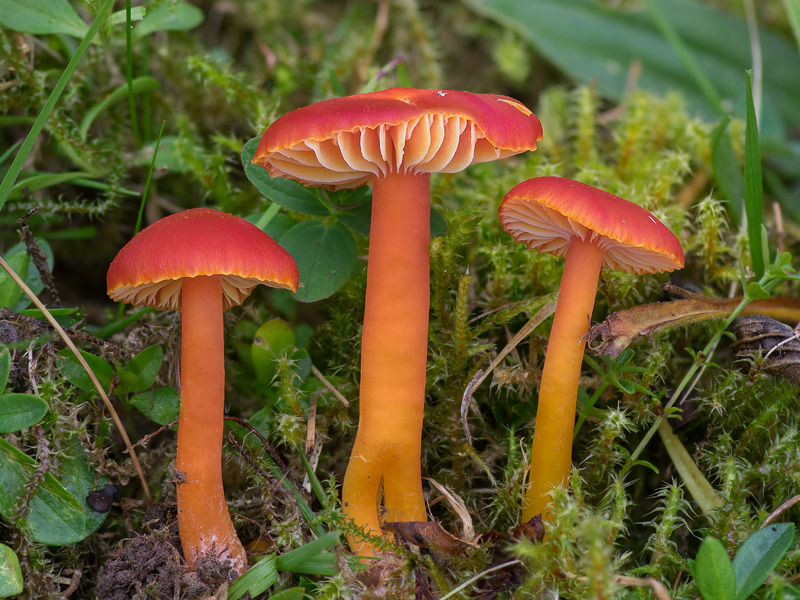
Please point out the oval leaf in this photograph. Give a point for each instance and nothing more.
(286, 192)
(74, 372)
(141, 371)
(18, 411)
(42, 17)
(759, 555)
(325, 257)
(273, 339)
(160, 405)
(169, 16)
(10, 573)
(713, 571)
(5, 367)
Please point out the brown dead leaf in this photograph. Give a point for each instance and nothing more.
(428, 534)
(775, 343)
(532, 530)
(621, 328)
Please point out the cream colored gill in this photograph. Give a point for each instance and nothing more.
(166, 295)
(431, 143)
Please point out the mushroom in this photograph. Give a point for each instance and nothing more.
(395, 139)
(592, 229)
(200, 262)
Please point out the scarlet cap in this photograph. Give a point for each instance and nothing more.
(545, 213)
(345, 142)
(149, 269)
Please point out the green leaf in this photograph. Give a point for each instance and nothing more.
(58, 514)
(325, 257)
(18, 411)
(756, 291)
(302, 559)
(10, 292)
(168, 16)
(139, 85)
(759, 555)
(160, 405)
(141, 371)
(295, 593)
(5, 367)
(256, 580)
(74, 372)
(286, 192)
(713, 571)
(596, 44)
(42, 17)
(727, 172)
(44, 180)
(793, 12)
(137, 14)
(11, 582)
(753, 185)
(273, 339)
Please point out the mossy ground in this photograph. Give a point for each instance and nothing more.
(221, 84)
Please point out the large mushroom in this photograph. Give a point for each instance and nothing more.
(592, 229)
(200, 262)
(395, 139)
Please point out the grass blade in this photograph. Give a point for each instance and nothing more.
(793, 11)
(753, 185)
(27, 145)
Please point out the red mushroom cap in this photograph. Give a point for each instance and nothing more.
(545, 213)
(200, 241)
(344, 142)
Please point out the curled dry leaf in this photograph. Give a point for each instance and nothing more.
(428, 534)
(776, 343)
(621, 328)
(532, 530)
(458, 506)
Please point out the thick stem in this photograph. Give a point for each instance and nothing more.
(551, 456)
(203, 519)
(393, 359)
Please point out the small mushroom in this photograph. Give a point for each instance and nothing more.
(200, 262)
(591, 228)
(394, 139)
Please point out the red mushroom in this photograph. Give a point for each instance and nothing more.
(592, 229)
(200, 262)
(394, 138)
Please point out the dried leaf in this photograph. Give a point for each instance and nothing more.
(775, 343)
(532, 530)
(467, 529)
(621, 328)
(428, 534)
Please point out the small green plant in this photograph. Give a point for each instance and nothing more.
(719, 578)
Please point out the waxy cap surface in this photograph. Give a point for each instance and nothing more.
(345, 142)
(545, 213)
(149, 269)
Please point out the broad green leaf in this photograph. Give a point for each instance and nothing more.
(597, 44)
(295, 593)
(286, 192)
(756, 292)
(139, 85)
(74, 372)
(169, 16)
(55, 515)
(141, 371)
(713, 571)
(121, 16)
(160, 405)
(11, 582)
(66, 317)
(42, 17)
(5, 367)
(18, 411)
(256, 580)
(278, 225)
(325, 257)
(727, 172)
(10, 292)
(303, 557)
(19, 260)
(273, 339)
(759, 555)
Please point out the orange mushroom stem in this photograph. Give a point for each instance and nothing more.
(393, 358)
(204, 522)
(592, 229)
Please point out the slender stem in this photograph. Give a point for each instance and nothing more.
(393, 359)
(203, 519)
(551, 455)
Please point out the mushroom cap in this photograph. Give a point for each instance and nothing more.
(344, 142)
(149, 269)
(545, 213)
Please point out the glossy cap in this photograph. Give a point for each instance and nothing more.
(345, 142)
(149, 269)
(545, 213)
